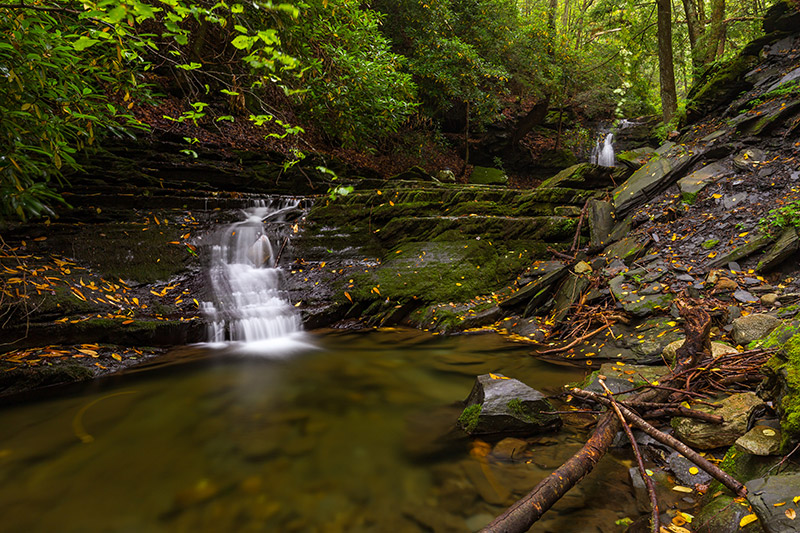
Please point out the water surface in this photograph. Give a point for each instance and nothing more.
(355, 435)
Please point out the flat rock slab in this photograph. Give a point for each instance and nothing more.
(772, 499)
(735, 411)
(695, 182)
(786, 246)
(621, 377)
(499, 405)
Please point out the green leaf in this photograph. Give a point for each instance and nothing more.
(84, 42)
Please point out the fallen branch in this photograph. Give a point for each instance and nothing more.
(686, 413)
(713, 470)
(648, 483)
(525, 512)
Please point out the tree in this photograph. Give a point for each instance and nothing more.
(666, 69)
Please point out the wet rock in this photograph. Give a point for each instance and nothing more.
(509, 449)
(489, 489)
(499, 405)
(686, 471)
(569, 293)
(771, 497)
(770, 299)
(695, 182)
(761, 440)
(633, 301)
(446, 176)
(488, 176)
(748, 328)
(734, 200)
(725, 285)
(539, 289)
(785, 247)
(627, 249)
(749, 158)
(660, 483)
(745, 297)
(721, 515)
(601, 222)
(622, 377)
(567, 211)
(742, 252)
(584, 176)
(479, 521)
(718, 349)
(735, 411)
(652, 178)
(435, 520)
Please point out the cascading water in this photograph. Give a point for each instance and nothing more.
(249, 310)
(605, 156)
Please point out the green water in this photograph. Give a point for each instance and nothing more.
(354, 436)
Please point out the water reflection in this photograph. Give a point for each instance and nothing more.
(357, 436)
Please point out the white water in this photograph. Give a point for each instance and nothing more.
(249, 311)
(605, 157)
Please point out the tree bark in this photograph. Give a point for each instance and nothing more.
(666, 68)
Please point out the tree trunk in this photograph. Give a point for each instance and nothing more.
(534, 117)
(666, 68)
(692, 24)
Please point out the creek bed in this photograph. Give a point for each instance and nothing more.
(341, 437)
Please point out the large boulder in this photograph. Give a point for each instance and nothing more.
(488, 176)
(735, 410)
(499, 405)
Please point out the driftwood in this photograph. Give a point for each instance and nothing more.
(525, 512)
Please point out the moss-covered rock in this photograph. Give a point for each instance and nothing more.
(718, 85)
(783, 385)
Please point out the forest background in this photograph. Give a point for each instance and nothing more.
(407, 79)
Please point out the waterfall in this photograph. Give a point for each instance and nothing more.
(248, 309)
(605, 156)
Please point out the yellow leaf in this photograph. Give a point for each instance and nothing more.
(679, 488)
(796, 499)
(694, 470)
(790, 514)
(779, 504)
(88, 352)
(128, 322)
(135, 300)
(748, 519)
(347, 295)
(116, 356)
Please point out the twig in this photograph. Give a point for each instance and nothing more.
(575, 342)
(686, 413)
(651, 491)
(672, 442)
(578, 231)
(280, 252)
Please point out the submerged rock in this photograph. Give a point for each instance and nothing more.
(501, 405)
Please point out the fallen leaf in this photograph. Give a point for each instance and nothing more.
(747, 519)
(791, 514)
(116, 356)
(347, 295)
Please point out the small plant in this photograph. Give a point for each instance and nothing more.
(781, 217)
(710, 243)
(469, 417)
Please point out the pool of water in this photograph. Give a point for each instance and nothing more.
(356, 434)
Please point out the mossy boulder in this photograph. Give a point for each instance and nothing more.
(735, 411)
(719, 85)
(561, 158)
(585, 176)
(783, 386)
(498, 405)
(488, 176)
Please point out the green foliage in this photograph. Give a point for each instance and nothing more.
(352, 85)
(71, 75)
(787, 89)
(781, 217)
